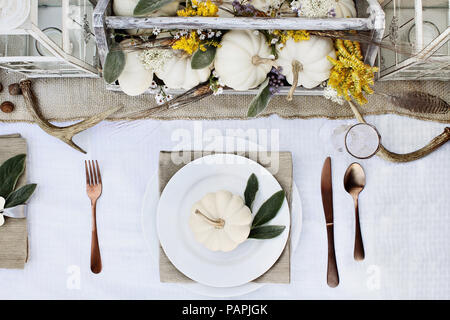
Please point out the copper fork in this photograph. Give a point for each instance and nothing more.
(94, 190)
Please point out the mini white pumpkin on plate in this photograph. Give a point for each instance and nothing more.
(304, 63)
(135, 78)
(220, 221)
(177, 72)
(243, 60)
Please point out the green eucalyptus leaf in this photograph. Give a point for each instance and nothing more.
(266, 232)
(114, 64)
(260, 101)
(148, 6)
(10, 171)
(269, 209)
(202, 59)
(250, 190)
(20, 196)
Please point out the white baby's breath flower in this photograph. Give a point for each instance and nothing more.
(156, 31)
(218, 33)
(274, 40)
(154, 59)
(202, 37)
(315, 8)
(331, 94)
(211, 34)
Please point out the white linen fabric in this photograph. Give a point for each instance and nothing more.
(404, 212)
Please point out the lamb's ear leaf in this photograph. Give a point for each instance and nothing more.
(269, 209)
(266, 232)
(202, 59)
(20, 196)
(148, 6)
(10, 171)
(260, 101)
(250, 190)
(114, 64)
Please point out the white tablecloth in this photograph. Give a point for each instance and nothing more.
(405, 214)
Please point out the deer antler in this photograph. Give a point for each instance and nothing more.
(406, 157)
(65, 134)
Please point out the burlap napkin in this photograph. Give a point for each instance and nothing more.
(13, 234)
(280, 272)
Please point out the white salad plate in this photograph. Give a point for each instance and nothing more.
(212, 173)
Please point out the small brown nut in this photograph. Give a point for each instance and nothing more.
(7, 106)
(14, 89)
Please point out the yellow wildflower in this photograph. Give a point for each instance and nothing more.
(189, 43)
(199, 8)
(350, 75)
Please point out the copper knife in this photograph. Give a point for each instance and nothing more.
(327, 201)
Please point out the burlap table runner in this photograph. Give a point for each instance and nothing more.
(280, 271)
(13, 234)
(73, 99)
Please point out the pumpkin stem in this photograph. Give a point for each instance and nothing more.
(218, 224)
(297, 67)
(257, 60)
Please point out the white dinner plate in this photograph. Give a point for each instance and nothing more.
(148, 222)
(211, 173)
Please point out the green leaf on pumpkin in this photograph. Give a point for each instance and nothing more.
(250, 190)
(202, 59)
(260, 101)
(144, 7)
(266, 232)
(114, 64)
(269, 209)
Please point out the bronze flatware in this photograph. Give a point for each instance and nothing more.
(354, 182)
(327, 201)
(94, 190)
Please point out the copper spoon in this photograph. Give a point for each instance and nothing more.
(354, 182)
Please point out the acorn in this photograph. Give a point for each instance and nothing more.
(7, 106)
(14, 89)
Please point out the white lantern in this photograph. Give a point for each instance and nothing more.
(421, 27)
(48, 38)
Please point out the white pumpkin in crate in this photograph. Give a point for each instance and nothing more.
(220, 221)
(243, 60)
(178, 74)
(305, 62)
(125, 8)
(135, 78)
(345, 8)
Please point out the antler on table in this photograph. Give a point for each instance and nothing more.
(65, 134)
(406, 157)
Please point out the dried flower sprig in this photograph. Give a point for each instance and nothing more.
(199, 8)
(276, 80)
(350, 76)
(192, 41)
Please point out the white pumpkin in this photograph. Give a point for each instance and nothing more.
(310, 56)
(178, 74)
(265, 5)
(243, 60)
(345, 8)
(220, 221)
(125, 8)
(135, 78)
